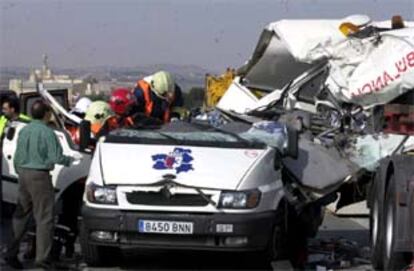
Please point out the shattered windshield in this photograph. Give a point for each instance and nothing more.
(194, 138)
(233, 134)
(181, 136)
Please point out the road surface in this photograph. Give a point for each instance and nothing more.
(334, 248)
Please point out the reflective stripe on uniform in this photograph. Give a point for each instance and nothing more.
(149, 103)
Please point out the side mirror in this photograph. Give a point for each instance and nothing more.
(10, 133)
(84, 134)
(292, 149)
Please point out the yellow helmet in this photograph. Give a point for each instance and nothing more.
(98, 112)
(162, 82)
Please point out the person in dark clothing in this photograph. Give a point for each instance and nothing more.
(158, 96)
(38, 150)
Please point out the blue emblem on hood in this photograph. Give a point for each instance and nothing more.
(179, 160)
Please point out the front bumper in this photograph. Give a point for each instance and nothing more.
(250, 232)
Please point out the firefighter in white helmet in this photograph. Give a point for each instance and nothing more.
(81, 107)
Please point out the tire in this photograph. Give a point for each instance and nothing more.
(297, 246)
(290, 238)
(393, 260)
(277, 244)
(376, 227)
(95, 255)
(276, 247)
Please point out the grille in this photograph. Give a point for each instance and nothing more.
(167, 239)
(161, 199)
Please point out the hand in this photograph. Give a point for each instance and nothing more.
(77, 158)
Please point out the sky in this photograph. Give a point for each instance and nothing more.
(214, 34)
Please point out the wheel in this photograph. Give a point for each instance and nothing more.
(95, 255)
(277, 244)
(297, 246)
(276, 247)
(290, 235)
(376, 229)
(393, 260)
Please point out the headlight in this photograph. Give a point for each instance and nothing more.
(101, 194)
(239, 199)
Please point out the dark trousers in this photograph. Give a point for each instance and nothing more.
(36, 195)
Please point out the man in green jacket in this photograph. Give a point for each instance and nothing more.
(11, 112)
(38, 150)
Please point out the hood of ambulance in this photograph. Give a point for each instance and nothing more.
(203, 167)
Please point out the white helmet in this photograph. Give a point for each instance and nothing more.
(82, 105)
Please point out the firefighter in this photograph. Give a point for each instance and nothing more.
(81, 107)
(79, 110)
(158, 96)
(98, 112)
(122, 104)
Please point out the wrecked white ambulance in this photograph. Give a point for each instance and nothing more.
(242, 183)
(188, 186)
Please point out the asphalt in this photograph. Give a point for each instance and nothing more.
(342, 243)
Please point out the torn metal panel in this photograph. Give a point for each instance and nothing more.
(318, 167)
(272, 65)
(237, 98)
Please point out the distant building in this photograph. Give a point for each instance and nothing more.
(105, 87)
(50, 81)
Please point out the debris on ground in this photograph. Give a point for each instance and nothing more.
(333, 254)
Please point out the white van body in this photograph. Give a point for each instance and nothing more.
(180, 190)
(62, 177)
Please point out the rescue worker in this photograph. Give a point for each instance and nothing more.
(122, 103)
(158, 96)
(81, 107)
(11, 112)
(38, 150)
(98, 112)
(79, 110)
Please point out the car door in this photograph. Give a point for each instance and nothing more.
(8, 173)
(9, 176)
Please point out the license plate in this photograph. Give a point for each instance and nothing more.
(168, 227)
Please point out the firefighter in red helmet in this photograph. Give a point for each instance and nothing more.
(121, 103)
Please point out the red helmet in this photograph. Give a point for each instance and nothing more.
(121, 100)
